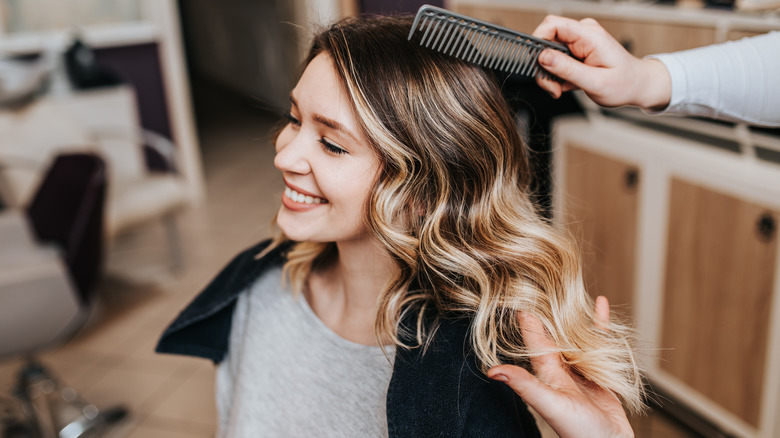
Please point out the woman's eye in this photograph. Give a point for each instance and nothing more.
(291, 119)
(330, 147)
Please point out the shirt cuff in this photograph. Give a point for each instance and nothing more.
(679, 82)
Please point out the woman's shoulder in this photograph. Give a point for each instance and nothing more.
(203, 327)
(440, 387)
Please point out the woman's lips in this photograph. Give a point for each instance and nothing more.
(298, 200)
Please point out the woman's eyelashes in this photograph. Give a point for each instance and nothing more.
(327, 145)
(292, 119)
(330, 147)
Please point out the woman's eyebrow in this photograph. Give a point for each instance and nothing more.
(330, 123)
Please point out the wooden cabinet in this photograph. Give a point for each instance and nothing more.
(644, 38)
(684, 235)
(513, 18)
(598, 187)
(720, 260)
(643, 29)
(737, 34)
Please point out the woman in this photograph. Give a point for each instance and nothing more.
(408, 238)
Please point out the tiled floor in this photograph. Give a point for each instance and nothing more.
(112, 360)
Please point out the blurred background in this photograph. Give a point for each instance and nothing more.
(136, 160)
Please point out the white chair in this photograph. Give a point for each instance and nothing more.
(106, 121)
(49, 266)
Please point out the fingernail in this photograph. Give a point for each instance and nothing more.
(500, 377)
(547, 58)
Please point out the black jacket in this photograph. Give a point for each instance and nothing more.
(438, 394)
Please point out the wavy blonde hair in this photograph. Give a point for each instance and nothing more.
(451, 206)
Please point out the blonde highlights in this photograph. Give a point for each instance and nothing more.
(451, 206)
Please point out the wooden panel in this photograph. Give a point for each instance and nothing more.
(735, 34)
(658, 425)
(640, 37)
(645, 38)
(348, 8)
(601, 204)
(513, 18)
(719, 279)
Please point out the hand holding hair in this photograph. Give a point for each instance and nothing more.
(572, 406)
(607, 73)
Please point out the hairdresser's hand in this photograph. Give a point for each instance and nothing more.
(607, 73)
(570, 405)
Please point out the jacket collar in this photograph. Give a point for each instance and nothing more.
(203, 327)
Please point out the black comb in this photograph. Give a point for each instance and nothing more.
(481, 43)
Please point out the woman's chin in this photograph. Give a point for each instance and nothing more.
(293, 233)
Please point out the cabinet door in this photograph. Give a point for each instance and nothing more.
(512, 18)
(719, 277)
(601, 197)
(645, 38)
(738, 34)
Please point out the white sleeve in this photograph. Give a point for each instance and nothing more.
(736, 80)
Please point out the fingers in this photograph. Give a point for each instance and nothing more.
(547, 29)
(579, 36)
(535, 393)
(600, 66)
(554, 88)
(546, 360)
(560, 29)
(533, 332)
(567, 68)
(592, 49)
(602, 313)
(555, 62)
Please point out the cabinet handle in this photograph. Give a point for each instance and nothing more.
(766, 226)
(631, 178)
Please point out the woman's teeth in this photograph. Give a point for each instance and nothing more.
(303, 199)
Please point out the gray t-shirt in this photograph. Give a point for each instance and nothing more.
(288, 375)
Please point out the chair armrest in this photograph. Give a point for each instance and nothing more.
(159, 144)
(15, 231)
(20, 162)
(163, 147)
(8, 191)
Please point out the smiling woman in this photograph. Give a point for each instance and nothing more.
(328, 167)
(415, 261)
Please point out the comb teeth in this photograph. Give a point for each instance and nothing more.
(481, 43)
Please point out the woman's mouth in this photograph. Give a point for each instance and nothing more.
(301, 198)
(296, 199)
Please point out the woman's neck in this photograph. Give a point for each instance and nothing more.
(344, 295)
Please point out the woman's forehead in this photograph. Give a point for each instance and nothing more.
(320, 95)
(320, 90)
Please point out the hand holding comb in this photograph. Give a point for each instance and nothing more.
(481, 43)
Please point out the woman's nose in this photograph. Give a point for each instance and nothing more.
(291, 153)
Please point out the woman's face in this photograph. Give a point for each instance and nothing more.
(327, 164)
